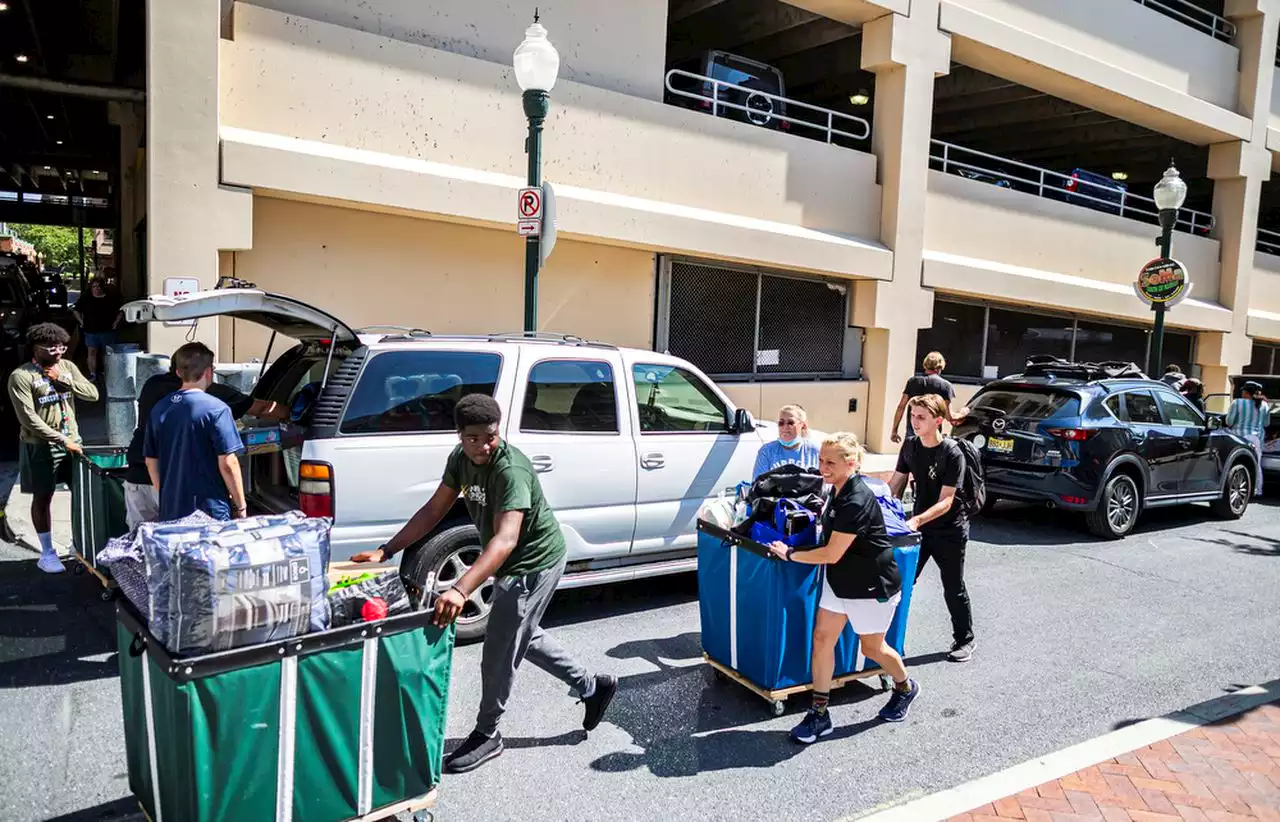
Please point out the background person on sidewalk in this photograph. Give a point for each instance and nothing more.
(43, 393)
(98, 313)
(931, 383)
(141, 502)
(1173, 376)
(9, 445)
(792, 447)
(524, 550)
(1248, 417)
(861, 586)
(191, 444)
(937, 465)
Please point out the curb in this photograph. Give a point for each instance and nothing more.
(966, 797)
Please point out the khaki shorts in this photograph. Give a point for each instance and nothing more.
(42, 466)
(141, 504)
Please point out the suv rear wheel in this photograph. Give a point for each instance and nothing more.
(450, 554)
(1118, 508)
(1235, 494)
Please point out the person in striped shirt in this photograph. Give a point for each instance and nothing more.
(1248, 417)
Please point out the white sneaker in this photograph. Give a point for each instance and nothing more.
(50, 563)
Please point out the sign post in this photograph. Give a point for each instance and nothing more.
(179, 287)
(1162, 284)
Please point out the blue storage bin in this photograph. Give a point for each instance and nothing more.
(758, 613)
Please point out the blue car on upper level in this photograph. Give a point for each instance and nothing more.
(1096, 191)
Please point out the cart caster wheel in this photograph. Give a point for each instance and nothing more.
(107, 595)
(778, 707)
(77, 569)
(423, 816)
(720, 675)
(886, 682)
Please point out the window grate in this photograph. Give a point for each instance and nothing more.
(736, 323)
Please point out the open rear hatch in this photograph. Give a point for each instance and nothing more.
(272, 468)
(283, 315)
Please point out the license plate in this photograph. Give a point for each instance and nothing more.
(1000, 445)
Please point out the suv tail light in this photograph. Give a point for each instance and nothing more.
(315, 489)
(1071, 434)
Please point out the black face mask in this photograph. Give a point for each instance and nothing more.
(46, 359)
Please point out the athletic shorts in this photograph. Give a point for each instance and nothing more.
(42, 466)
(100, 339)
(867, 616)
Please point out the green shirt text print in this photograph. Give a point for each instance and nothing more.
(508, 483)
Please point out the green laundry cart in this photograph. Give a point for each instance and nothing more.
(97, 508)
(345, 724)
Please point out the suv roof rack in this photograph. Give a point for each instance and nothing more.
(1045, 365)
(545, 336)
(408, 335)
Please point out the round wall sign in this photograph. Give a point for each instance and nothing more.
(1163, 282)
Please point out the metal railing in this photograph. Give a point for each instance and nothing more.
(762, 108)
(1042, 182)
(1215, 25)
(1268, 241)
(53, 199)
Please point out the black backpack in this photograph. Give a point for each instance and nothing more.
(972, 492)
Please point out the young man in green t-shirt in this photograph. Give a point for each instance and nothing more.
(44, 393)
(524, 551)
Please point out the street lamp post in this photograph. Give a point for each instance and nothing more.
(1169, 195)
(536, 64)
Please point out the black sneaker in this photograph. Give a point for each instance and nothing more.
(474, 751)
(598, 702)
(961, 652)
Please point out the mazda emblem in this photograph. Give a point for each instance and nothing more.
(997, 425)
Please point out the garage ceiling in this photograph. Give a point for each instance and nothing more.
(820, 61)
(56, 143)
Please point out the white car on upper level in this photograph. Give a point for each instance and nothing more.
(628, 444)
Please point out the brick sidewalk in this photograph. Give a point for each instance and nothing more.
(1228, 771)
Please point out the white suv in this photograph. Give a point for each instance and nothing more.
(628, 444)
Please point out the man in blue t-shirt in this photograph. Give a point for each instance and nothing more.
(191, 445)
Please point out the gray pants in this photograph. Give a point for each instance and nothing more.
(513, 634)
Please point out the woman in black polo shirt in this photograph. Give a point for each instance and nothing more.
(862, 586)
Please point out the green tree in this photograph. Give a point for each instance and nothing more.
(57, 244)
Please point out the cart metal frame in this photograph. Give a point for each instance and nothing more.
(777, 698)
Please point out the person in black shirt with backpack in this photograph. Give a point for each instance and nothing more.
(938, 465)
(862, 586)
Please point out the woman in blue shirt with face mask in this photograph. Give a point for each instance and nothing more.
(792, 447)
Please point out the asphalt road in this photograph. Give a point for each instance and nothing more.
(1075, 638)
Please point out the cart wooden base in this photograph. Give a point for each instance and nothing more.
(419, 807)
(109, 587)
(777, 699)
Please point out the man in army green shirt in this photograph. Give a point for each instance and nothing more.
(524, 550)
(43, 393)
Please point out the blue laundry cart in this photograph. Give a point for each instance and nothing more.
(758, 612)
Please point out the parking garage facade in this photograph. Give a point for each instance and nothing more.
(800, 197)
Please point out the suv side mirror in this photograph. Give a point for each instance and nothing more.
(743, 422)
(1216, 422)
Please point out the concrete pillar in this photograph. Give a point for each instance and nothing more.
(1238, 170)
(130, 119)
(906, 53)
(190, 217)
